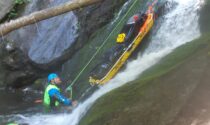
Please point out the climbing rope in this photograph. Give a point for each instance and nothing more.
(69, 88)
(98, 50)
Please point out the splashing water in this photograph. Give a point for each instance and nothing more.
(179, 26)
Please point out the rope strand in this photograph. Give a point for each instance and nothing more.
(98, 50)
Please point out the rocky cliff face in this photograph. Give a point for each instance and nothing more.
(18, 68)
(40, 48)
(5, 7)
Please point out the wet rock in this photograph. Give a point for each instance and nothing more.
(162, 95)
(5, 7)
(205, 18)
(18, 68)
(96, 16)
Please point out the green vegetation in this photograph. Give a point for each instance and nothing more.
(12, 14)
(15, 10)
(19, 2)
(157, 96)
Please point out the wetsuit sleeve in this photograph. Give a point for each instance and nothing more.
(57, 95)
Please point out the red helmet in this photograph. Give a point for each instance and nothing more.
(135, 17)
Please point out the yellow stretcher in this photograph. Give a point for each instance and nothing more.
(119, 63)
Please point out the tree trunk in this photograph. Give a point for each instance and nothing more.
(44, 14)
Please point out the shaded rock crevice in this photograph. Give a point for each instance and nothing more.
(19, 70)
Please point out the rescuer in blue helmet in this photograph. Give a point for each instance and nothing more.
(52, 94)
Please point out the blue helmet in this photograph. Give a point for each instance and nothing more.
(52, 76)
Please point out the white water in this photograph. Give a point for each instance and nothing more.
(179, 26)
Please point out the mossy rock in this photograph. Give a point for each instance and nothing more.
(159, 94)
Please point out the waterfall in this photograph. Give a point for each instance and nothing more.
(178, 27)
